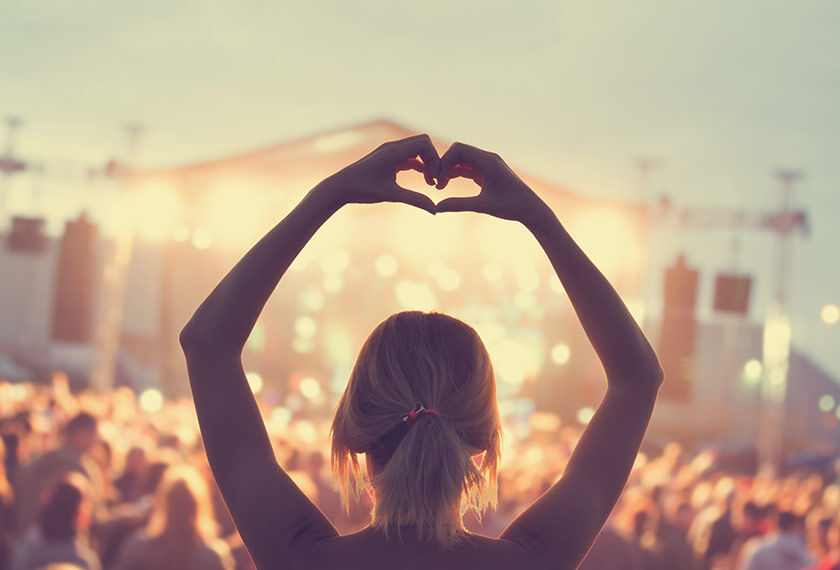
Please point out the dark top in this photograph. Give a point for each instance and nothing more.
(369, 549)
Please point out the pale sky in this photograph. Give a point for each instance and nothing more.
(722, 93)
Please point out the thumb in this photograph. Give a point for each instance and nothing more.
(470, 204)
(414, 199)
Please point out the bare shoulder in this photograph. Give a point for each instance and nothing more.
(369, 549)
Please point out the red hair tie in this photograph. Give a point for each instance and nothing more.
(418, 410)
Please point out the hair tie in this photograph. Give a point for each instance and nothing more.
(418, 410)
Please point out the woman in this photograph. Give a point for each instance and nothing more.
(421, 399)
(182, 534)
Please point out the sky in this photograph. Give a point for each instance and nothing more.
(720, 94)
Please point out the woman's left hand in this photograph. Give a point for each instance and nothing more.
(373, 178)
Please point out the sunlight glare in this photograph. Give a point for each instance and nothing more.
(514, 361)
(609, 239)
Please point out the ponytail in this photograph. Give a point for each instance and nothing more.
(420, 460)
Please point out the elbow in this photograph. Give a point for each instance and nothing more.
(194, 338)
(653, 373)
(200, 340)
(189, 338)
(647, 378)
(657, 375)
(650, 370)
(642, 374)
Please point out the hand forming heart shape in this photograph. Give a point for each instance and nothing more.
(372, 179)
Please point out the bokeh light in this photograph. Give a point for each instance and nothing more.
(280, 417)
(584, 415)
(492, 271)
(386, 265)
(256, 340)
(255, 381)
(449, 280)
(306, 326)
(202, 238)
(310, 388)
(311, 299)
(524, 300)
(561, 353)
(151, 400)
(333, 283)
(335, 262)
(830, 314)
(752, 371)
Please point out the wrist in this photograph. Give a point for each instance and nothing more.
(539, 219)
(327, 195)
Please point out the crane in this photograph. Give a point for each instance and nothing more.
(784, 222)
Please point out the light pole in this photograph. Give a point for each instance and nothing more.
(777, 334)
(109, 324)
(645, 166)
(8, 163)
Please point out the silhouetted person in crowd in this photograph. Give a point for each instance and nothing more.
(181, 533)
(748, 525)
(782, 550)
(421, 400)
(14, 433)
(831, 558)
(712, 534)
(133, 515)
(6, 512)
(672, 537)
(136, 463)
(722, 537)
(80, 435)
(60, 535)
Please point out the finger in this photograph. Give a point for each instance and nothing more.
(419, 145)
(411, 164)
(413, 198)
(470, 204)
(464, 172)
(463, 155)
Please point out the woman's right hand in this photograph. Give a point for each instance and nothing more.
(503, 194)
(373, 178)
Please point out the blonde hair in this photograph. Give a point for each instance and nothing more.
(423, 470)
(182, 518)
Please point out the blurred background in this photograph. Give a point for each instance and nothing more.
(689, 148)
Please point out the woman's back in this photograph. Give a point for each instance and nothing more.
(371, 550)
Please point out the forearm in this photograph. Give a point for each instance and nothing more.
(227, 316)
(618, 341)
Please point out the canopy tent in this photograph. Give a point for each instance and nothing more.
(488, 271)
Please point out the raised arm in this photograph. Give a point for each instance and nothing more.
(562, 524)
(276, 520)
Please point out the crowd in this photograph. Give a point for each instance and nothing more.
(95, 481)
